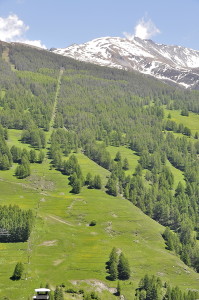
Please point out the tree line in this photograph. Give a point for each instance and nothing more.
(152, 288)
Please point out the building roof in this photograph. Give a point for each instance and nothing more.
(42, 290)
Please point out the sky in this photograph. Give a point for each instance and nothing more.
(61, 23)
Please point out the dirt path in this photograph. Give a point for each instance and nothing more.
(60, 220)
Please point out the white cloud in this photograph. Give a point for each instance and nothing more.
(12, 29)
(36, 43)
(145, 29)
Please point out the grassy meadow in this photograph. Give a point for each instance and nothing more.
(125, 153)
(63, 248)
(191, 121)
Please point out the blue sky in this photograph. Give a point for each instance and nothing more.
(60, 23)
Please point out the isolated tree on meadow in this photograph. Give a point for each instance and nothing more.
(125, 164)
(118, 156)
(18, 271)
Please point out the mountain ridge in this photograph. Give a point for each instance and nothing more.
(176, 64)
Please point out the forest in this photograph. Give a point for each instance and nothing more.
(15, 224)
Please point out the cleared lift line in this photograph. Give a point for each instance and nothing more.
(30, 240)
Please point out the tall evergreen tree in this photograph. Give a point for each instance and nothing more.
(97, 182)
(123, 268)
(118, 156)
(18, 271)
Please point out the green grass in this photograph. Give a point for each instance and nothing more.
(128, 153)
(63, 248)
(192, 121)
(88, 165)
(178, 175)
(14, 137)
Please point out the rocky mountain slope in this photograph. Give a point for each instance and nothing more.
(175, 64)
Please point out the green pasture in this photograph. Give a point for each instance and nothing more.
(88, 165)
(14, 138)
(192, 121)
(178, 175)
(128, 153)
(63, 248)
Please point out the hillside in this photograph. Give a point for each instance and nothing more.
(62, 120)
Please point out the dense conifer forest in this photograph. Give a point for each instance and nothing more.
(87, 109)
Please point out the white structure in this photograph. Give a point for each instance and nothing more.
(42, 294)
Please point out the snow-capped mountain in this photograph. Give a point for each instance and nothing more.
(174, 63)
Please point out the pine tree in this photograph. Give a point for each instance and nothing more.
(16, 154)
(118, 156)
(112, 186)
(56, 293)
(41, 156)
(113, 270)
(97, 182)
(33, 156)
(118, 288)
(4, 162)
(112, 264)
(18, 271)
(123, 268)
(113, 256)
(88, 179)
(125, 164)
(76, 186)
(196, 136)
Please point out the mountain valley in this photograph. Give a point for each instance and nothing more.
(98, 160)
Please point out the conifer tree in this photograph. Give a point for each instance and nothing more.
(41, 156)
(88, 180)
(118, 156)
(33, 156)
(113, 270)
(112, 264)
(112, 186)
(97, 182)
(123, 268)
(125, 164)
(76, 185)
(196, 136)
(18, 271)
(118, 288)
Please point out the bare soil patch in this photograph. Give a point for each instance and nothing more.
(49, 243)
(97, 284)
(57, 262)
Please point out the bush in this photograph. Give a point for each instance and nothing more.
(93, 223)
